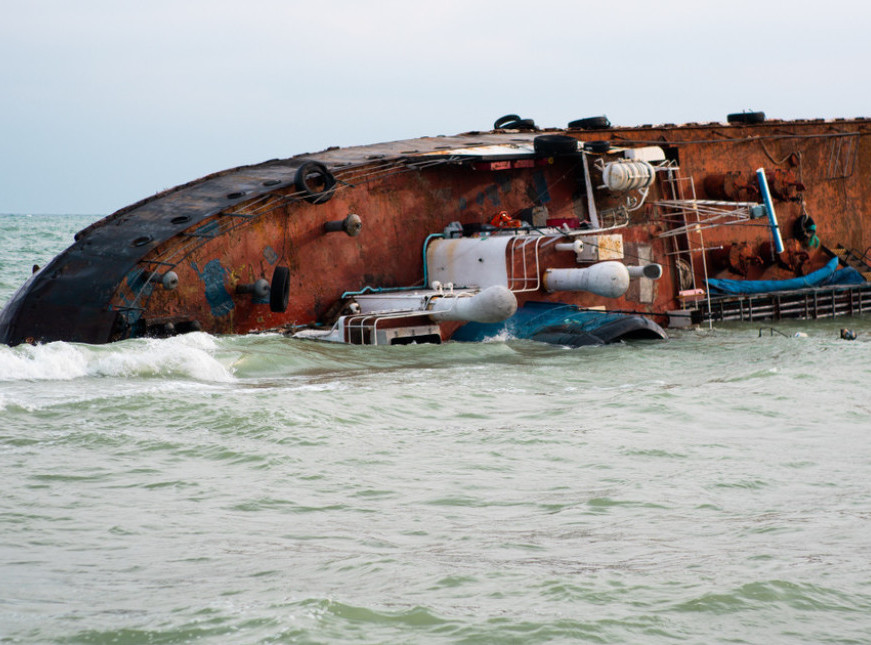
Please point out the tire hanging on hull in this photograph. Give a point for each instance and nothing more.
(279, 289)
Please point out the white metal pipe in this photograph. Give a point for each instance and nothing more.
(652, 271)
(493, 304)
(575, 247)
(609, 279)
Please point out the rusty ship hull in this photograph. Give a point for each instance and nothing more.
(392, 242)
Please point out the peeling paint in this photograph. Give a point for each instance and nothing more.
(270, 255)
(541, 191)
(213, 276)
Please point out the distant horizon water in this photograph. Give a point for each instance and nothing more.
(69, 217)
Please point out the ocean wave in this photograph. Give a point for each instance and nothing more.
(190, 356)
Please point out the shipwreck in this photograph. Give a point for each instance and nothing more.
(587, 234)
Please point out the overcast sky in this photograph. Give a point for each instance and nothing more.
(105, 102)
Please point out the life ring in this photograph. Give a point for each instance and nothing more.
(315, 182)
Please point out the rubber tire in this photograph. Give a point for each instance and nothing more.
(746, 117)
(316, 168)
(552, 145)
(519, 124)
(597, 146)
(279, 290)
(591, 123)
(502, 120)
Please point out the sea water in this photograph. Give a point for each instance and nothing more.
(713, 488)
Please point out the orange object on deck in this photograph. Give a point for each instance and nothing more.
(503, 220)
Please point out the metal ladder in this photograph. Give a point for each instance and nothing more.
(682, 194)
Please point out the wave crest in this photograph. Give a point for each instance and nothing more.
(191, 356)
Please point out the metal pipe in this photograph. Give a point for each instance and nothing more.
(769, 206)
(368, 289)
(591, 201)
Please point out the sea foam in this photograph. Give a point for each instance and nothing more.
(190, 356)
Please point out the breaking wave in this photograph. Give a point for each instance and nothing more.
(191, 356)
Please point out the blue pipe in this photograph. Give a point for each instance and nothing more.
(425, 268)
(769, 206)
(368, 289)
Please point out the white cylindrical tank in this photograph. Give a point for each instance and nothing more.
(623, 176)
(469, 261)
(493, 304)
(609, 279)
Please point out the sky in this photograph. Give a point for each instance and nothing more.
(105, 102)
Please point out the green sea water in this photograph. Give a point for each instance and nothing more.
(708, 489)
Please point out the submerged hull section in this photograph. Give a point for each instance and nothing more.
(564, 325)
(632, 221)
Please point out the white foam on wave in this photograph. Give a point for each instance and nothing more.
(502, 337)
(53, 361)
(191, 356)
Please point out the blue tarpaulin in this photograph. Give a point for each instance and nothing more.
(828, 275)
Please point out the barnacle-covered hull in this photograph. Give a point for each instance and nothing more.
(302, 245)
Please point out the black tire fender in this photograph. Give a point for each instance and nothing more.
(591, 123)
(746, 117)
(315, 182)
(597, 146)
(279, 289)
(502, 120)
(519, 124)
(550, 145)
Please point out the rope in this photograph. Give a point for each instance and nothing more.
(768, 154)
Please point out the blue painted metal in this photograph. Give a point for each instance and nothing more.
(213, 275)
(540, 320)
(769, 206)
(541, 191)
(270, 255)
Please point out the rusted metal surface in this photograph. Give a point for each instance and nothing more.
(235, 227)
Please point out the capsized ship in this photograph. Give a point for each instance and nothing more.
(580, 235)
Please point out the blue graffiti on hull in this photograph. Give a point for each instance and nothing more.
(213, 275)
(270, 255)
(541, 190)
